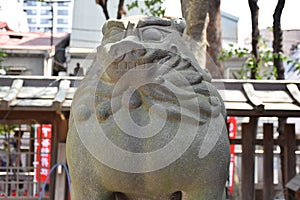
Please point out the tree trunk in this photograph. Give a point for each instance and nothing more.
(255, 38)
(277, 42)
(255, 35)
(184, 8)
(277, 50)
(196, 24)
(214, 39)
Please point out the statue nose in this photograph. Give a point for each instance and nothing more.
(127, 48)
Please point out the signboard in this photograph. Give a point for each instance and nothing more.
(232, 135)
(43, 152)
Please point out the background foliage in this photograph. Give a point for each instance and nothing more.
(152, 7)
(265, 68)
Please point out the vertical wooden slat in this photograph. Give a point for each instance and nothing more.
(8, 161)
(247, 162)
(289, 157)
(54, 148)
(268, 141)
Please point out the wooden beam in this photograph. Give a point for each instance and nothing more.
(294, 91)
(31, 116)
(266, 113)
(12, 93)
(252, 97)
(247, 162)
(39, 81)
(268, 189)
(289, 157)
(61, 94)
(24, 198)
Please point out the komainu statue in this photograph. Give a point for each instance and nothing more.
(146, 123)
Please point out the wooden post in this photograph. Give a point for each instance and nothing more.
(289, 157)
(60, 175)
(60, 186)
(268, 142)
(248, 152)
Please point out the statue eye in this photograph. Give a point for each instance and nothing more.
(113, 35)
(152, 35)
(114, 31)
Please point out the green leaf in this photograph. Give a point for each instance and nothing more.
(258, 77)
(134, 4)
(152, 7)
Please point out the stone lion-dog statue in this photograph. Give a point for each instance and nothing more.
(146, 123)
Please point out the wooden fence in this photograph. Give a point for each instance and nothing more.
(248, 143)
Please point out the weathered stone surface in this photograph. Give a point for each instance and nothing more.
(146, 123)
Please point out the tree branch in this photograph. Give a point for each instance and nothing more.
(121, 10)
(103, 4)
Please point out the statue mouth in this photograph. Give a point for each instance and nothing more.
(162, 60)
(136, 59)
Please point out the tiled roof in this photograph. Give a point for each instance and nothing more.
(241, 98)
(37, 93)
(260, 97)
(28, 41)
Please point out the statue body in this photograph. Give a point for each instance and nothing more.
(146, 123)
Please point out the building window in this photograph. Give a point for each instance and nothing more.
(41, 29)
(45, 21)
(31, 12)
(33, 29)
(62, 21)
(45, 3)
(31, 21)
(63, 4)
(62, 30)
(63, 12)
(30, 3)
(45, 12)
(47, 29)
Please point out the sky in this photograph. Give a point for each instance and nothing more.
(240, 9)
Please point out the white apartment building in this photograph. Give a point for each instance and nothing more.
(11, 13)
(42, 16)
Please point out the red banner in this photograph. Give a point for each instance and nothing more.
(232, 135)
(43, 152)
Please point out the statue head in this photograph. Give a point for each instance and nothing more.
(149, 51)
